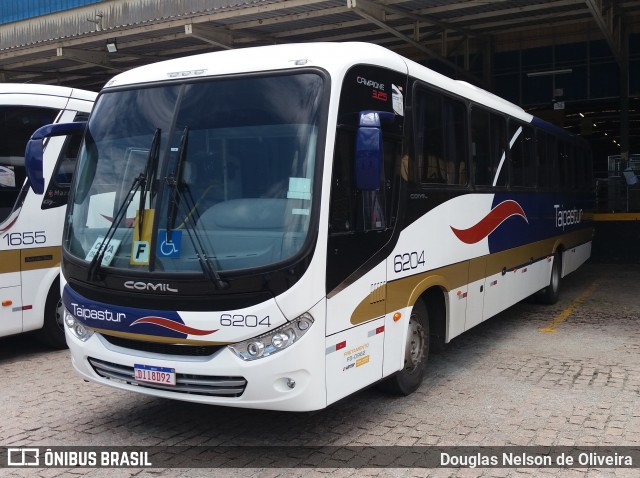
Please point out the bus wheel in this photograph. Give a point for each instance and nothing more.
(407, 380)
(52, 332)
(551, 293)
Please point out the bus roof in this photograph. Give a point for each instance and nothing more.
(50, 90)
(333, 57)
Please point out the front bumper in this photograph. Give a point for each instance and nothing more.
(291, 380)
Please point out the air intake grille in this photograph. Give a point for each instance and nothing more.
(185, 383)
(162, 348)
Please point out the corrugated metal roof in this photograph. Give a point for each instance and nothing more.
(15, 10)
(69, 46)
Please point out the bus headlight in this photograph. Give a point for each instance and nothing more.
(76, 328)
(273, 341)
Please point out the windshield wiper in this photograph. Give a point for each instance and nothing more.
(205, 261)
(96, 260)
(149, 175)
(186, 201)
(139, 181)
(175, 181)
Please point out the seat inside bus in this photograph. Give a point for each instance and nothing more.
(251, 231)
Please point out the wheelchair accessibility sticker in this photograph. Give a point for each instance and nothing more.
(169, 245)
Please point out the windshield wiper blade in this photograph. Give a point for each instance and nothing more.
(175, 181)
(205, 261)
(139, 181)
(206, 264)
(96, 260)
(149, 174)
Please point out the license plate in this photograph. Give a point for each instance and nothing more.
(158, 375)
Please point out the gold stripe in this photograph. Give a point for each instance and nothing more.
(405, 291)
(29, 259)
(153, 338)
(477, 269)
(40, 258)
(616, 216)
(9, 261)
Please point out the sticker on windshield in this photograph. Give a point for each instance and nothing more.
(110, 250)
(397, 100)
(299, 188)
(140, 252)
(169, 245)
(140, 248)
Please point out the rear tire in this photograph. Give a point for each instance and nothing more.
(52, 332)
(550, 294)
(408, 380)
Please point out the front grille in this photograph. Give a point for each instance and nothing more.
(185, 383)
(163, 348)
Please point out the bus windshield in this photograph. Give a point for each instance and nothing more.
(200, 176)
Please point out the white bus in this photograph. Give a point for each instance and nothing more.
(281, 227)
(30, 224)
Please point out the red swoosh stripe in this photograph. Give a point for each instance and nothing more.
(170, 324)
(490, 222)
(10, 224)
(128, 222)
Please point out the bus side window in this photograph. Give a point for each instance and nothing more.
(522, 157)
(441, 138)
(566, 166)
(17, 123)
(480, 149)
(489, 148)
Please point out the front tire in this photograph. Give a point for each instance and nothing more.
(52, 332)
(408, 380)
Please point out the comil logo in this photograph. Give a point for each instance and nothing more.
(23, 457)
(149, 286)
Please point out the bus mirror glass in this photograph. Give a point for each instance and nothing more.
(368, 158)
(368, 154)
(34, 152)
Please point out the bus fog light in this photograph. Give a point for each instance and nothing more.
(76, 328)
(69, 320)
(273, 341)
(80, 331)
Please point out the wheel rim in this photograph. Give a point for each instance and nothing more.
(60, 315)
(414, 350)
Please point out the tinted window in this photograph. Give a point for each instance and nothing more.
(523, 165)
(546, 151)
(488, 147)
(441, 137)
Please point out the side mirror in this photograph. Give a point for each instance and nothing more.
(368, 157)
(34, 152)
